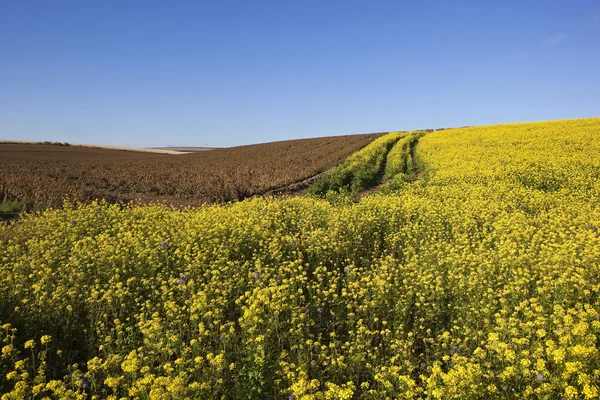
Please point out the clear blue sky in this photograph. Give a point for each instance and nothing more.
(223, 73)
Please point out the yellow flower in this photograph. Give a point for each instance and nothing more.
(131, 362)
(590, 392)
(113, 382)
(541, 333)
(540, 365)
(571, 392)
(11, 375)
(558, 355)
(8, 350)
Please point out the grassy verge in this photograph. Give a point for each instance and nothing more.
(360, 170)
(12, 208)
(400, 164)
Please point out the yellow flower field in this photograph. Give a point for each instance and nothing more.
(479, 280)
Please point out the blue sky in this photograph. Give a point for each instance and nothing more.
(224, 73)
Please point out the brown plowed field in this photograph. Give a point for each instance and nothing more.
(46, 174)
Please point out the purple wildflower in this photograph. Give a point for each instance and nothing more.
(539, 377)
(183, 279)
(346, 270)
(84, 381)
(164, 245)
(290, 397)
(319, 310)
(256, 275)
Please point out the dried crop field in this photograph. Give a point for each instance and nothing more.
(45, 174)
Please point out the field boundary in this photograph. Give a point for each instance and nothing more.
(360, 170)
(400, 166)
(294, 187)
(105, 147)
